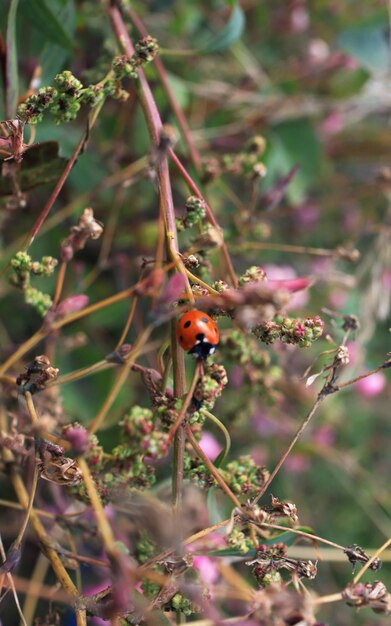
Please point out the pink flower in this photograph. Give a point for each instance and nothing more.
(300, 19)
(285, 277)
(210, 445)
(207, 568)
(324, 436)
(333, 123)
(71, 305)
(297, 463)
(78, 438)
(371, 386)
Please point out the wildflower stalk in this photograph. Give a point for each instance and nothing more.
(368, 564)
(282, 247)
(161, 71)
(96, 503)
(186, 402)
(287, 452)
(212, 469)
(45, 330)
(59, 282)
(128, 323)
(68, 168)
(193, 187)
(166, 208)
(57, 565)
(120, 380)
(224, 430)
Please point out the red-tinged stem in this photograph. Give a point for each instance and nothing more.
(186, 402)
(193, 187)
(194, 154)
(167, 211)
(213, 470)
(55, 193)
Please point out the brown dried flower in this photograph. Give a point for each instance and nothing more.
(279, 508)
(38, 374)
(374, 595)
(87, 228)
(57, 468)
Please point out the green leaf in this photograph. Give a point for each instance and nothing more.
(54, 57)
(46, 21)
(41, 165)
(368, 44)
(231, 33)
(11, 64)
(294, 142)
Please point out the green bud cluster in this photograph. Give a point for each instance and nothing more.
(238, 540)
(244, 476)
(181, 604)
(210, 386)
(33, 108)
(290, 330)
(94, 455)
(64, 99)
(197, 472)
(144, 548)
(146, 50)
(23, 267)
(124, 67)
(238, 347)
(40, 301)
(247, 163)
(253, 274)
(195, 213)
(220, 286)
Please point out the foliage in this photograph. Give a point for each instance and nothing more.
(228, 157)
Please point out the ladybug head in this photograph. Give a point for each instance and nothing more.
(202, 348)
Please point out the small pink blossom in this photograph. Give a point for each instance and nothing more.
(386, 279)
(371, 386)
(210, 445)
(78, 438)
(300, 19)
(333, 124)
(173, 289)
(207, 568)
(71, 305)
(285, 277)
(297, 463)
(324, 436)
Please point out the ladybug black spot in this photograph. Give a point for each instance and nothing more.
(181, 338)
(205, 319)
(187, 324)
(200, 336)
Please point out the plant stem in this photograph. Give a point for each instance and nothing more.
(57, 565)
(302, 533)
(96, 503)
(371, 560)
(121, 377)
(223, 429)
(193, 187)
(194, 154)
(127, 324)
(283, 458)
(59, 282)
(213, 470)
(186, 402)
(282, 247)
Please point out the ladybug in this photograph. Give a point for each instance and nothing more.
(197, 334)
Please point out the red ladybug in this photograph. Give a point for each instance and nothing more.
(197, 334)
